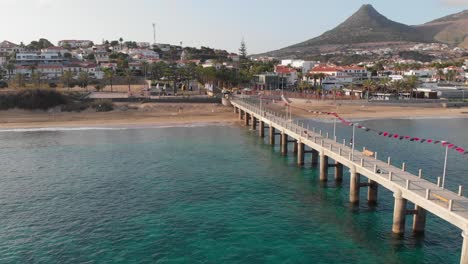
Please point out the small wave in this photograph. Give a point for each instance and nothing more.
(120, 127)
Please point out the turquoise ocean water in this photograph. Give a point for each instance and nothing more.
(215, 194)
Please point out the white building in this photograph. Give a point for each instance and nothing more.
(9, 47)
(39, 57)
(289, 73)
(420, 73)
(75, 43)
(305, 66)
(46, 71)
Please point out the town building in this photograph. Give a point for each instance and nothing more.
(9, 47)
(29, 57)
(75, 43)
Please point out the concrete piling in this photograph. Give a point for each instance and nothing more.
(323, 167)
(372, 192)
(399, 214)
(272, 135)
(284, 144)
(464, 254)
(354, 187)
(338, 172)
(300, 154)
(246, 119)
(295, 147)
(315, 156)
(261, 129)
(419, 220)
(254, 123)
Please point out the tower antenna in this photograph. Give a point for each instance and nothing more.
(154, 33)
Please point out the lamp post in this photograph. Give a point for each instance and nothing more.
(352, 150)
(445, 167)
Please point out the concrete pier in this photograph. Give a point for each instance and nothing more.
(354, 187)
(284, 144)
(323, 167)
(261, 129)
(254, 123)
(338, 172)
(300, 154)
(399, 214)
(372, 192)
(272, 135)
(464, 254)
(419, 220)
(295, 146)
(425, 194)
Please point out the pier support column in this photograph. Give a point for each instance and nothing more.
(236, 110)
(300, 154)
(246, 119)
(241, 114)
(323, 167)
(372, 192)
(354, 187)
(338, 172)
(419, 220)
(254, 122)
(272, 135)
(284, 144)
(315, 156)
(464, 253)
(399, 214)
(295, 147)
(261, 129)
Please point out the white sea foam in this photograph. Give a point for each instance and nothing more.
(117, 127)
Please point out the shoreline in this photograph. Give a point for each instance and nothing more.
(153, 115)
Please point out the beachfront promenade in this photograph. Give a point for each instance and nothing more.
(406, 187)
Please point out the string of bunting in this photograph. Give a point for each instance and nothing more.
(395, 135)
(443, 143)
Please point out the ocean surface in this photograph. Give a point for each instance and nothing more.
(214, 194)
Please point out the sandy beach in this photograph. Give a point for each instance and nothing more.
(183, 113)
(367, 111)
(124, 115)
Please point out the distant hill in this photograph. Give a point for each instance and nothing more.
(452, 29)
(365, 26)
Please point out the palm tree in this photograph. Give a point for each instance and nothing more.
(67, 79)
(315, 76)
(128, 74)
(411, 83)
(109, 75)
(369, 86)
(321, 76)
(10, 67)
(145, 67)
(384, 82)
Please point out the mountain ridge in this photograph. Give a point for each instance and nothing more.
(368, 26)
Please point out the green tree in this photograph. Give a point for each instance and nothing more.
(83, 80)
(20, 80)
(121, 42)
(67, 79)
(243, 55)
(36, 79)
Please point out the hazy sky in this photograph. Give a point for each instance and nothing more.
(264, 24)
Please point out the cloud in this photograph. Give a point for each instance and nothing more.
(454, 2)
